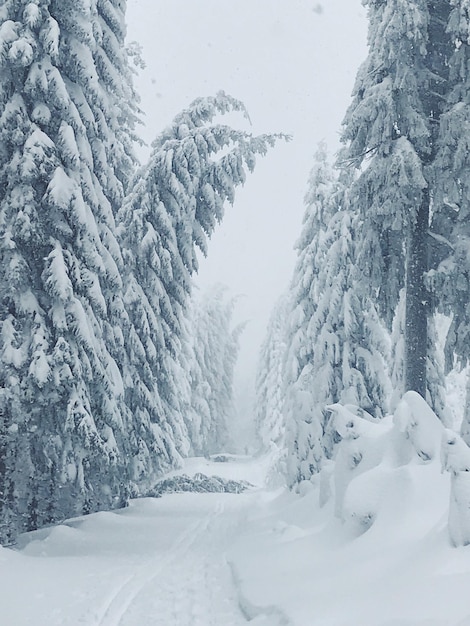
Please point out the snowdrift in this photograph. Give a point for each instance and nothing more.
(376, 539)
(371, 540)
(380, 465)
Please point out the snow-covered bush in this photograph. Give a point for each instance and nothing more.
(199, 483)
(380, 466)
(362, 448)
(456, 460)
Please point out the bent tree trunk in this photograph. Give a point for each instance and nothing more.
(416, 311)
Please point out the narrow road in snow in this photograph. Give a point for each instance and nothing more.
(161, 562)
(265, 557)
(188, 584)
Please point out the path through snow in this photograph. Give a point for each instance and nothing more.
(190, 583)
(264, 558)
(160, 562)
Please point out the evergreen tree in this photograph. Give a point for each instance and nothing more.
(215, 351)
(304, 433)
(338, 343)
(65, 154)
(173, 206)
(391, 132)
(93, 318)
(449, 278)
(270, 378)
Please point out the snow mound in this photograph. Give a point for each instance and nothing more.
(199, 483)
(227, 457)
(371, 540)
(381, 467)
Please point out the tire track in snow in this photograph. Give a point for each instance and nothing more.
(121, 598)
(183, 584)
(196, 589)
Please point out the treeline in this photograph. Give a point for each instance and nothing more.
(384, 247)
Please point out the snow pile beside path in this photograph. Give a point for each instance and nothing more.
(199, 483)
(378, 460)
(369, 543)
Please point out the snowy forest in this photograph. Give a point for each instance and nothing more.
(115, 370)
(105, 376)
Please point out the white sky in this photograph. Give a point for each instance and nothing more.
(293, 64)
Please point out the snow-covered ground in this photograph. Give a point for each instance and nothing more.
(265, 557)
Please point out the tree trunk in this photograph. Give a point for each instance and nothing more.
(416, 312)
(465, 426)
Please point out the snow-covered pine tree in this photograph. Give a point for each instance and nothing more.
(391, 131)
(270, 387)
(215, 350)
(120, 104)
(449, 278)
(172, 207)
(337, 344)
(65, 152)
(75, 429)
(303, 434)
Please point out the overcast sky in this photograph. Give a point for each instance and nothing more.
(293, 64)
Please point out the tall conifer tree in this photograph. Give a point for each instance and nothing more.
(172, 208)
(94, 385)
(449, 278)
(215, 346)
(64, 162)
(391, 131)
(270, 379)
(337, 344)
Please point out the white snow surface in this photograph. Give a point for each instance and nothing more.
(264, 557)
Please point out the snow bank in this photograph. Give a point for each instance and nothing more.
(377, 467)
(372, 541)
(378, 550)
(456, 460)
